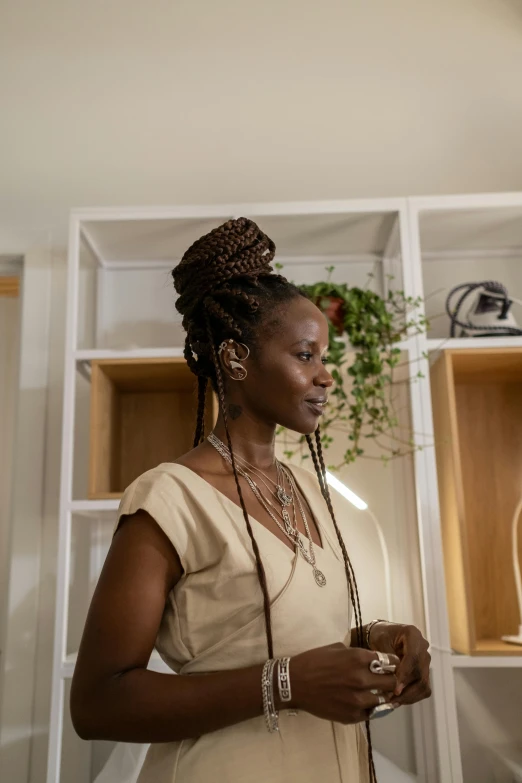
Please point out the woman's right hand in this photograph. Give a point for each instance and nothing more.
(335, 682)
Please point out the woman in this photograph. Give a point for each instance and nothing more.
(233, 564)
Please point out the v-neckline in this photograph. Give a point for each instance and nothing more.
(292, 550)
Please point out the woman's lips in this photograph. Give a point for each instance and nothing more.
(317, 407)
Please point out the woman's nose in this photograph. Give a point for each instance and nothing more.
(324, 378)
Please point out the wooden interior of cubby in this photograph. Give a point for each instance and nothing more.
(477, 410)
(142, 413)
(9, 286)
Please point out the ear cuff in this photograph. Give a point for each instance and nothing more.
(235, 360)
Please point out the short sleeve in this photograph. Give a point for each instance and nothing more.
(156, 492)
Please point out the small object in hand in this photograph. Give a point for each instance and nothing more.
(380, 711)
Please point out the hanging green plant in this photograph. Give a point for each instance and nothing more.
(365, 330)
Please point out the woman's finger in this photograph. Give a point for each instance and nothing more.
(409, 670)
(367, 700)
(414, 693)
(414, 667)
(380, 682)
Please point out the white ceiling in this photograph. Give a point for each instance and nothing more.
(197, 101)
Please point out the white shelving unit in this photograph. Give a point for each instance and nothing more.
(457, 239)
(121, 305)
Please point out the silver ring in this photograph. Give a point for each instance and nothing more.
(380, 696)
(381, 664)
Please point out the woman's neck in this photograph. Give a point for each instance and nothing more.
(253, 441)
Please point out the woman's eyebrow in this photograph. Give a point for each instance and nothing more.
(305, 342)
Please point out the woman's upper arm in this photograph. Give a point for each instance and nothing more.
(140, 570)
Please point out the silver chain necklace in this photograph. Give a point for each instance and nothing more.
(281, 494)
(288, 528)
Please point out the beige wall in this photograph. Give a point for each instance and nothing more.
(201, 101)
(29, 473)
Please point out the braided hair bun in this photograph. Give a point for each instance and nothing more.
(223, 281)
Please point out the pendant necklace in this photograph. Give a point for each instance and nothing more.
(285, 499)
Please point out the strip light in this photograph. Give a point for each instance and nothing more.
(354, 499)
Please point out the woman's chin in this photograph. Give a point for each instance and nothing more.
(307, 427)
(303, 425)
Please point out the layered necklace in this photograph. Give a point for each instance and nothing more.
(284, 498)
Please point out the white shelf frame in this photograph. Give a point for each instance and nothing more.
(89, 507)
(95, 354)
(486, 661)
(459, 343)
(402, 252)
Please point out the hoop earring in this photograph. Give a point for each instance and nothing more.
(233, 355)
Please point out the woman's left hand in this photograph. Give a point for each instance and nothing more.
(413, 672)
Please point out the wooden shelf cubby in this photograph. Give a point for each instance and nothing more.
(143, 412)
(477, 413)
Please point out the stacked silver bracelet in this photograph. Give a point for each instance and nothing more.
(284, 688)
(267, 686)
(283, 679)
(369, 630)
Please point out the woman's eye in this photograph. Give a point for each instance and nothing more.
(306, 356)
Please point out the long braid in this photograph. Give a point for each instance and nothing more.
(317, 467)
(200, 420)
(259, 563)
(350, 576)
(227, 289)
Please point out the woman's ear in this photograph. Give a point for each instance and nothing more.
(232, 356)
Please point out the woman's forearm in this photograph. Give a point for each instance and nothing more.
(144, 706)
(376, 632)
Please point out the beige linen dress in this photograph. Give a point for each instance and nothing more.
(213, 620)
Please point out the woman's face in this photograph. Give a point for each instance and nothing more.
(287, 382)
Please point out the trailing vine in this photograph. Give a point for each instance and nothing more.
(365, 333)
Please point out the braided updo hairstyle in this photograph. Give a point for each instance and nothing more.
(227, 289)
